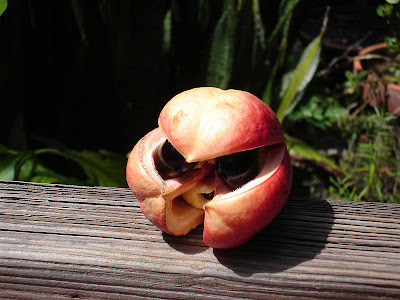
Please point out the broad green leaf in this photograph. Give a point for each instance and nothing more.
(9, 161)
(222, 48)
(3, 6)
(8, 164)
(31, 170)
(102, 168)
(46, 175)
(301, 151)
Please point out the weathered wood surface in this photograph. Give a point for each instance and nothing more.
(84, 242)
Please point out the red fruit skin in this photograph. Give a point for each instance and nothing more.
(205, 123)
(231, 223)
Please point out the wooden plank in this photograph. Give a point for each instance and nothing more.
(61, 242)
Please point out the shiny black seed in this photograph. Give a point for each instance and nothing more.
(237, 169)
(208, 196)
(169, 162)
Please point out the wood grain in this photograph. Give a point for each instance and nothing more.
(60, 242)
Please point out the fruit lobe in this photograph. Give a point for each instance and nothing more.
(158, 197)
(205, 123)
(237, 216)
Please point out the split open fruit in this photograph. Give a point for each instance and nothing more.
(218, 157)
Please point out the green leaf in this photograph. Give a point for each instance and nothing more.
(282, 27)
(8, 163)
(3, 6)
(45, 175)
(302, 75)
(222, 48)
(301, 151)
(167, 32)
(286, 13)
(259, 32)
(102, 168)
(335, 111)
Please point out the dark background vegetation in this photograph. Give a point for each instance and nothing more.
(96, 76)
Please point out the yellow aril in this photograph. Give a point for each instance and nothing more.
(194, 196)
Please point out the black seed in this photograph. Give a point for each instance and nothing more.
(169, 162)
(237, 169)
(208, 196)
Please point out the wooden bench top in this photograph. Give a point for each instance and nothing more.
(62, 242)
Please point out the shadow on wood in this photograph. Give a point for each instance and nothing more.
(288, 241)
(192, 243)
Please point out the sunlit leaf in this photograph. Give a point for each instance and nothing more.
(297, 81)
(104, 168)
(167, 32)
(302, 75)
(301, 151)
(3, 6)
(8, 164)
